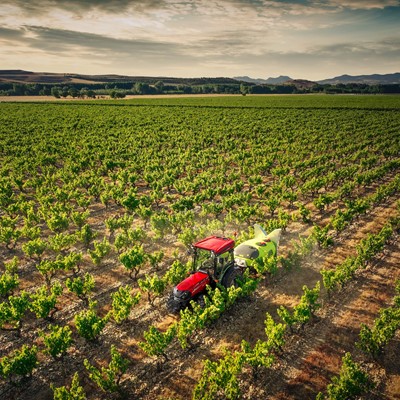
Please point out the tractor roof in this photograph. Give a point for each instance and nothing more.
(216, 244)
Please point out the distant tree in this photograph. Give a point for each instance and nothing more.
(73, 92)
(141, 88)
(159, 85)
(114, 94)
(55, 92)
(44, 91)
(18, 89)
(185, 89)
(91, 94)
(83, 92)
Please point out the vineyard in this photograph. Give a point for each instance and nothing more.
(100, 201)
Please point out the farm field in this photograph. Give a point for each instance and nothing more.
(100, 200)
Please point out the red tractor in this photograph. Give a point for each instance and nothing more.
(213, 262)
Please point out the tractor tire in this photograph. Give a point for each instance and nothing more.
(172, 306)
(200, 301)
(229, 279)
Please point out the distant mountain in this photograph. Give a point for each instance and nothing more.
(247, 79)
(268, 81)
(301, 83)
(375, 79)
(277, 81)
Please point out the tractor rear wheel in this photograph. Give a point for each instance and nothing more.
(200, 301)
(230, 277)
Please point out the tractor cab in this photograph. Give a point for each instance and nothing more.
(213, 255)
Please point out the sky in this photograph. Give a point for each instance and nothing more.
(314, 40)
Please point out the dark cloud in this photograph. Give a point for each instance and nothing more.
(7, 34)
(61, 41)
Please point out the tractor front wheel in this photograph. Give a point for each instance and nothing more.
(173, 306)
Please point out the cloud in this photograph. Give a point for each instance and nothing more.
(386, 47)
(60, 40)
(79, 6)
(363, 4)
(7, 34)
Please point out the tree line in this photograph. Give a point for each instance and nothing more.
(121, 89)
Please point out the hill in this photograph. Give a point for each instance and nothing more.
(269, 81)
(20, 76)
(374, 79)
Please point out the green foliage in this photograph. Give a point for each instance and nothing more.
(79, 218)
(9, 234)
(122, 302)
(35, 248)
(322, 236)
(275, 333)
(122, 241)
(373, 244)
(8, 282)
(57, 341)
(75, 392)
(351, 382)
(21, 362)
(108, 378)
(220, 378)
(176, 272)
(322, 201)
(272, 203)
(43, 303)
(190, 321)
(308, 304)
(374, 339)
(156, 342)
(259, 355)
(153, 285)
(86, 235)
(48, 268)
(304, 310)
(304, 246)
(155, 259)
(304, 212)
(159, 224)
(60, 242)
(114, 223)
(265, 265)
(12, 311)
(101, 249)
(132, 260)
(341, 220)
(11, 266)
(88, 324)
(58, 221)
(82, 287)
(71, 262)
